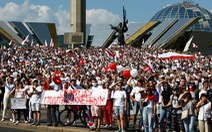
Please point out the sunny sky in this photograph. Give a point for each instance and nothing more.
(98, 11)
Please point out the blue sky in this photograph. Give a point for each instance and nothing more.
(139, 10)
(98, 11)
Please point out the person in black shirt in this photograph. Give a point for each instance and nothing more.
(1, 93)
(165, 98)
(209, 92)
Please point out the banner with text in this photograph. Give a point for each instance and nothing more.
(18, 103)
(75, 97)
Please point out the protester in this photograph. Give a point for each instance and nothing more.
(9, 89)
(107, 109)
(1, 92)
(120, 104)
(204, 115)
(20, 94)
(176, 122)
(84, 64)
(96, 111)
(136, 98)
(188, 105)
(35, 100)
(28, 104)
(149, 110)
(165, 98)
(53, 110)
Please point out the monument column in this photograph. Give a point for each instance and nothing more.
(78, 24)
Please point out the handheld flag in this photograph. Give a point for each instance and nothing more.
(195, 45)
(25, 40)
(45, 44)
(11, 41)
(51, 43)
(32, 43)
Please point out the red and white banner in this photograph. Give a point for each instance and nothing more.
(173, 55)
(75, 97)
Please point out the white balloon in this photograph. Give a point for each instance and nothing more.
(120, 68)
(134, 72)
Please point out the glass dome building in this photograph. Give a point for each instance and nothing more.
(183, 10)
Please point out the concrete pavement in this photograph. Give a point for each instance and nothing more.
(44, 128)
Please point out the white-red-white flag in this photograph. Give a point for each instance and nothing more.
(150, 45)
(45, 44)
(25, 40)
(51, 43)
(11, 41)
(195, 45)
(32, 43)
(110, 54)
(14, 46)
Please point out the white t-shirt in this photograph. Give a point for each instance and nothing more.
(20, 94)
(135, 92)
(35, 98)
(27, 89)
(150, 104)
(119, 97)
(97, 88)
(8, 88)
(205, 112)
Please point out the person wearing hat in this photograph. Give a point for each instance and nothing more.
(204, 115)
(35, 100)
(176, 122)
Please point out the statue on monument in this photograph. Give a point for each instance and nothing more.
(121, 29)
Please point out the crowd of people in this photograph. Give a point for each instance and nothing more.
(183, 85)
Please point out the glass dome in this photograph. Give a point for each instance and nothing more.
(186, 10)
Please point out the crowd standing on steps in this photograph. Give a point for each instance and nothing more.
(139, 80)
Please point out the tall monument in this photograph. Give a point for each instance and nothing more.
(78, 15)
(76, 37)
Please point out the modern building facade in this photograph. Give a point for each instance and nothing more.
(178, 23)
(38, 32)
(171, 27)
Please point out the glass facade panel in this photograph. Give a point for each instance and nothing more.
(182, 13)
(166, 13)
(190, 13)
(174, 12)
(21, 29)
(41, 31)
